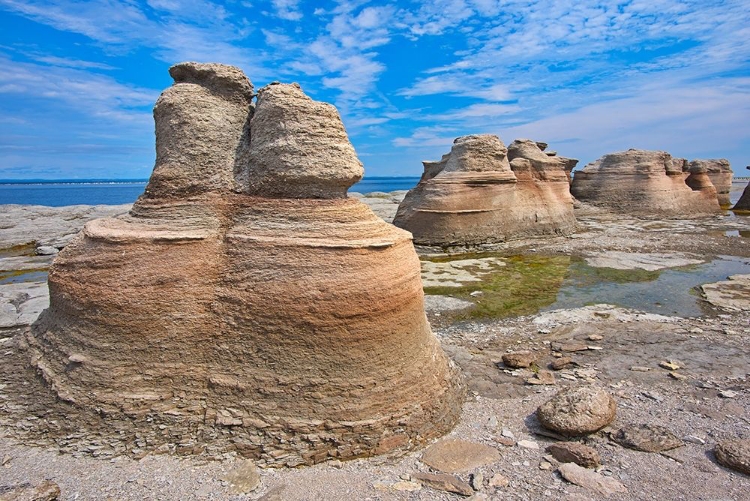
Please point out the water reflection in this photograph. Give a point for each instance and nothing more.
(529, 284)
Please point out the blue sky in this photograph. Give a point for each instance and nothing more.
(79, 79)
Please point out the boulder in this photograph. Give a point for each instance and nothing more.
(458, 456)
(475, 195)
(720, 173)
(734, 454)
(289, 330)
(578, 411)
(573, 452)
(644, 182)
(647, 438)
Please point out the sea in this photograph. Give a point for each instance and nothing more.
(114, 192)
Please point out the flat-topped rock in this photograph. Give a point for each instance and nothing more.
(285, 325)
(202, 125)
(646, 183)
(476, 195)
(719, 172)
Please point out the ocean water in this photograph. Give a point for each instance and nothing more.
(104, 192)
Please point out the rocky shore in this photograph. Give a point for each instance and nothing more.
(676, 381)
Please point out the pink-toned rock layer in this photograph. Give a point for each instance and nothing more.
(720, 173)
(646, 183)
(230, 314)
(482, 192)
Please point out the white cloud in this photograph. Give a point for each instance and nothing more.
(287, 9)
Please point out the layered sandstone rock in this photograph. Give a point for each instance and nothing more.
(646, 182)
(719, 172)
(482, 192)
(230, 314)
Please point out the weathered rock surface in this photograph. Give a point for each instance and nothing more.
(518, 359)
(476, 195)
(573, 452)
(299, 147)
(21, 303)
(288, 330)
(202, 129)
(734, 454)
(444, 482)
(732, 294)
(578, 411)
(45, 491)
(458, 456)
(646, 183)
(38, 225)
(587, 479)
(719, 172)
(647, 438)
(620, 260)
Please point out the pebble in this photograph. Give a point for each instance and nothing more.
(694, 440)
(638, 368)
(669, 365)
(574, 452)
(444, 482)
(560, 363)
(498, 481)
(407, 486)
(528, 444)
(727, 394)
(677, 376)
(507, 433)
(520, 359)
(595, 337)
(508, 442)
(589, 480)
(477, 481)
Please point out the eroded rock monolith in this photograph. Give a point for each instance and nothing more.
(646, 183)
(720, 173)
(245, 304)
(482, 192)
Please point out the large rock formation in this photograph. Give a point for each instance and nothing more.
(482, 192)
(720, 173)
(743, 204)
(245, 304)
(647, 183)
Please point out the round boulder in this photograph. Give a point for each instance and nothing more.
(734, 454)
(578, 411)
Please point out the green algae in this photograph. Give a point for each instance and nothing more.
(522, 287)
(27, 249)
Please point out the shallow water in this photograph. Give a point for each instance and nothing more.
(22, 276)
(531, 283)
(669, 292)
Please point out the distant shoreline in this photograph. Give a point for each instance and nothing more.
(140, 181)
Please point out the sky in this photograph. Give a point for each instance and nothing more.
(79, 79)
